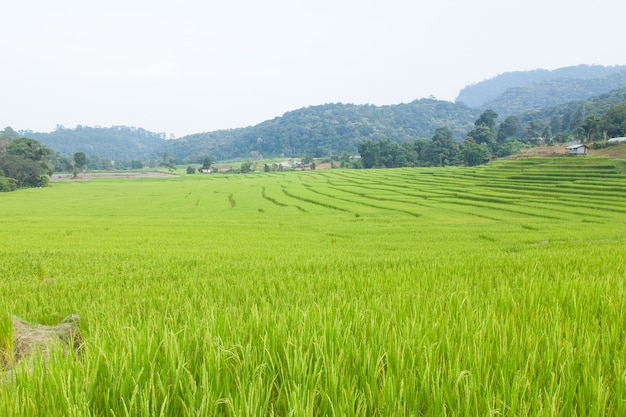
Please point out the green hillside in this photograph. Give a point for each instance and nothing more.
(329, 129)
(544, 105)
(571, 118)
(117, 142)
(553, 92)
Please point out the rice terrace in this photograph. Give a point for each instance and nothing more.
(491, 290)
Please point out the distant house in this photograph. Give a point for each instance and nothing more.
(578, 149)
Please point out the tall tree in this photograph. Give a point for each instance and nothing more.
(26, 161)
(615, 121)
(442, 149)
(592, 127)
(29, 149)
(483, 134)
(26, 172)
(487, 118)
(508, 128)
(484, 130)
(207, 162)
(474, 153)
(80, 160)
(369, 151)
(9, 133)
(533, 130)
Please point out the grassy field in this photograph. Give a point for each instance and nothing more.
(496, 290)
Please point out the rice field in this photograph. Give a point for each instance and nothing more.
(493, 290)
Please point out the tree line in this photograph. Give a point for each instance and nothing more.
(23, 162)
(484, 142)
(585, 120)
(487, 140)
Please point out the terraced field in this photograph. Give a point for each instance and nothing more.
(495, 290)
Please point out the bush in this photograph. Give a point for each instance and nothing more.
(7, 184)
(191, 170)
(601, 145)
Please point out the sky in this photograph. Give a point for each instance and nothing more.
(191, 66)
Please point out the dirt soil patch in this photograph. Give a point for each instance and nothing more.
(614, 151)
(541, 151)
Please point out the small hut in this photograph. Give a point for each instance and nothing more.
(578, 149)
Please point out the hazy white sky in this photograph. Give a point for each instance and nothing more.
(191, 66)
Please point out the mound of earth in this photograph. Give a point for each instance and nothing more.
(30, 339)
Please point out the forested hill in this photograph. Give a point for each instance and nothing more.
(553, 93)
(547, 103)
(329, 129)
(575, 115)
(117, 142)
(516, 92)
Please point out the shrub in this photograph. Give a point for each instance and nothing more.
(7, 184)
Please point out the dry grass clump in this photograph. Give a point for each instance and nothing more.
(30, 339)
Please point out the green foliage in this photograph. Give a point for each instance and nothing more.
(9, 133)
(592, 127)
(28, 149)
(511, 146)
(62, 163)
(7, 184)
(25, 161)
(245, 167)
(487, 140)
(475, 153)
(80, 159)
(6, 337)
(615, 121)
(191, 170)
(482, 134)
(580, 120)
(26, 172)
(330, 129)
(116, 143)
(442, 149)
(487, 118)
(99, 163)
(207, 161)
(508, 129)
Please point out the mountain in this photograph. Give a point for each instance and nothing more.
(553, 102)
(117, 142)
(329, 129)
(515, 92)
(553, 92)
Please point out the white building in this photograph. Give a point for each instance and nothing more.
(577, 149)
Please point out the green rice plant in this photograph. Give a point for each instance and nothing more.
(6, 341)
(192, 307)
